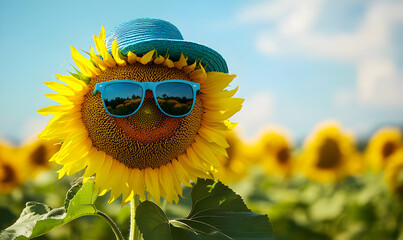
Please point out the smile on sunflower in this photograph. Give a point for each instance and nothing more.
(139, 121)
(329, 154)
(381, 147)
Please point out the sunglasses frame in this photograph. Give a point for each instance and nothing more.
(99, 87)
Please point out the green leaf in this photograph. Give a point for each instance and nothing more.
(37, 218)
(217, 213)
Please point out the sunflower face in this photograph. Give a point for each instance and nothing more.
(329, 154)
(382, 145)
(148, 138)
(147, 151)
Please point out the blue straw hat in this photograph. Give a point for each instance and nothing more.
(145, 34)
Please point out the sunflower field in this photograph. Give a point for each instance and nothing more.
(328, 187)
(141, 145)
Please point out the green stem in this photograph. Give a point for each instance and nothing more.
(112, 224)
(134, 229)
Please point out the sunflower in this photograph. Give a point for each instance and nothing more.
(147, 153)
(329, 154)
(234, 167)
(274, 152)
(394, 172)
(381, 147)
(11, 171)
(37, 154)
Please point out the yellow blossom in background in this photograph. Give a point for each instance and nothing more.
(12, 172)
(37, 153)
(148, 151)
(234, 167)
(329, 154)
(394, 172)
(274, 152)
(381, 147)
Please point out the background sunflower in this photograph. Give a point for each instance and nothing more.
(275, 152)
(382, 145)
(329, 153)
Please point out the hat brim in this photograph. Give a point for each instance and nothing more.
(211, 60)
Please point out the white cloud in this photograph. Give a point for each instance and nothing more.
(368, 47)
(256, 112)
(380, 83)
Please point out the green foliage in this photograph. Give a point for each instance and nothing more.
(355, 208)
(37, 218)
(217, 213)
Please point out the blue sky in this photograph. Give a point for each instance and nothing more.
(298, 62)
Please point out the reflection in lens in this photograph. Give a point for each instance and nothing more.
(122, 98)
(175, 98)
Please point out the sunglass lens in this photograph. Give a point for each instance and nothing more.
(122, 99)
(175, 99)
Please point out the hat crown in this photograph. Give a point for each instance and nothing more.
(140, 30)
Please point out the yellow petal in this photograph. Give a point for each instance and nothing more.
(151, 177)
(57, 109)
(215, 82)
(167, 183)
(204, 145)
(131, 57)
(100, 63)
(168, 63)
(159, 60)
(101, 47)
(138, 182)
(103, 174)
(84, 64)
(181, 173)
(182, 62)
(95, 159)
(63, 99)
(205, 153)
(190, 68)
(223, 103)
(175, 180)
(194, 172)
(60, 88)
(199, 75)
(74, 83)
(146, 58)
(116, 55)
(215, 136)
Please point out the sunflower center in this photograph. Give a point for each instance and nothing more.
(388, 149)
(283, 155)
(148, 138)
(329, 154)
(38, 157)
(7, 174)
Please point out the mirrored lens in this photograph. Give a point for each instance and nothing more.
(122, 98)
(175, 98)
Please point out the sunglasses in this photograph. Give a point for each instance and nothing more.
(122, 98)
